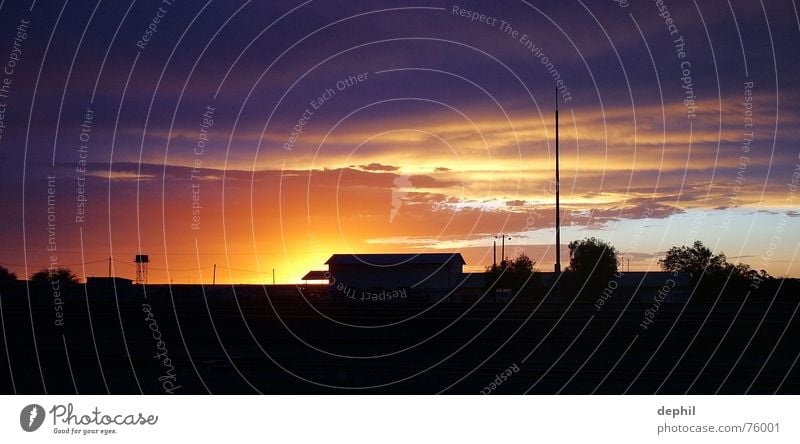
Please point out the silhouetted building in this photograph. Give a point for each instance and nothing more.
(643, 285)
(109, 282)
(673, 287)
(413, 272)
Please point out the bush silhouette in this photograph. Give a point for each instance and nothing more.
(6, 275)
(64, 276)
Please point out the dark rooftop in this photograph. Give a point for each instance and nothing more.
(316, 275)
(394, 259)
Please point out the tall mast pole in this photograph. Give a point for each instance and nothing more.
(558, 203)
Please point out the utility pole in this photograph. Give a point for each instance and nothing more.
(273, 277)
(109, 267)
(214, 278)
(558, 203)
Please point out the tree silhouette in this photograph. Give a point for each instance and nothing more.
(714, 269)
(694, 260)
(522, 264)
(64, 276)
(592, 257)
(6, 275)
(592, 264)
(516, 274)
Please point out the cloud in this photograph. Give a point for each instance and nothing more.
(378, 167)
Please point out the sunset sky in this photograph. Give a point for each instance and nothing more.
(418, 127)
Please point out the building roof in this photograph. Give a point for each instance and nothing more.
(317, 275)
(107, 281)
(395, 259)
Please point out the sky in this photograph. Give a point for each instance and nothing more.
(263, 136)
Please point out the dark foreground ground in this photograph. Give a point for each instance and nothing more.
(253, 339)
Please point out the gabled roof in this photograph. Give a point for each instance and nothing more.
(395, 259)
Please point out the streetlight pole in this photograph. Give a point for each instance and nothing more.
(494, 252)
(502, 249)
